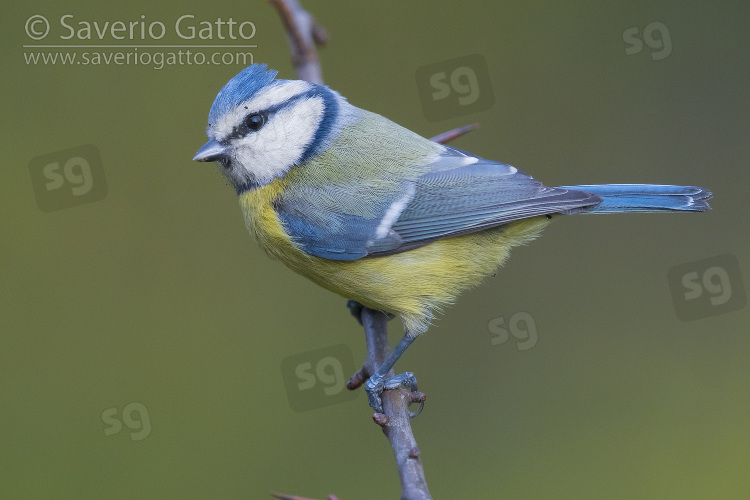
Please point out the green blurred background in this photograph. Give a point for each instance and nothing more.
(156, 295)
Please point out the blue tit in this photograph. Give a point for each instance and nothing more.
(376, 213)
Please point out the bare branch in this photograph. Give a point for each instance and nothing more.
(303, 34)
(397, 428)
(282, 496)
(446, 137)
(395, 420)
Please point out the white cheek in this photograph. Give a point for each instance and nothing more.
(275, 148)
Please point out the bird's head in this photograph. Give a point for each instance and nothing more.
(260, 127)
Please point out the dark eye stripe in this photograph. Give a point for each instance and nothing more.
(330, 110)
(251, 123)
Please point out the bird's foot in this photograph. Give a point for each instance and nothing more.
(376, 385)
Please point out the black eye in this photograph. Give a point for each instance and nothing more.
(255, 121)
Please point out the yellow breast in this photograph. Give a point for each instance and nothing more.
(413, 284)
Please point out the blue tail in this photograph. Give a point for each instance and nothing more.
(646, 198)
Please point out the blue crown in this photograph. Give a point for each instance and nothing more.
(240, 88)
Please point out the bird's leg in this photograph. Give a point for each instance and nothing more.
(375, 325)
(355, 308)
(378, 382)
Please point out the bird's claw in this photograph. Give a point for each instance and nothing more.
(374, 388)
(376, 385)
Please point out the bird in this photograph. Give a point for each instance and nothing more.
(379, 214)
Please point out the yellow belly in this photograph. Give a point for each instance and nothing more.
(412, 284)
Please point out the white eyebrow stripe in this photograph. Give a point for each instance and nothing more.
(273, 95)
(396, 208)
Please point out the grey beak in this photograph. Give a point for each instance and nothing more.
(211, 151)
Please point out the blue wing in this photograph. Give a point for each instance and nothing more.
(464, 193)
(457, 194)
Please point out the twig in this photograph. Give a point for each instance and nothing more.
(303, 34)
(397, 428)
(282, 496)
(395, 420)
(454, 134)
